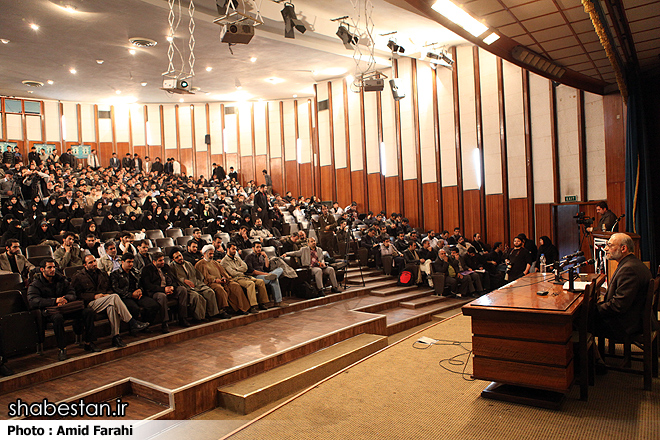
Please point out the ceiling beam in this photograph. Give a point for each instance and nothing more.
(622, 28)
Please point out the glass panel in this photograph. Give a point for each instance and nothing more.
(33, 107)
(13, 106)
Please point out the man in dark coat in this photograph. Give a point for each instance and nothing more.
(160, 284)
(261, 204)
(92, 285)
(620, 314)
(50, 289)
(125, 282)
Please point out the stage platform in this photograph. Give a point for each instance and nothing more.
(183, 373)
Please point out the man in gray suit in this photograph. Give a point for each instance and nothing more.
(13, 260)
(312, 257)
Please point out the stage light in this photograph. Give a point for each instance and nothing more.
(222, 5)
(291, 22)
(346, 37)
(395, 48)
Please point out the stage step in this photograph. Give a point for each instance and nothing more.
(251, 394)
(369, 278)
(418, 303)
(376, 304)
(393, 289)
(400, 319)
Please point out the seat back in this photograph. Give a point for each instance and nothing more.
(105, 236)
(11, 281)
(174, 232)
(183, 241)
(39, 251)
(12, 301)
(245, 253)
(153, 234)
(270, 251)
(189, 231)
(164, 242)
(207, 238)
(650, 316)
(69, 272)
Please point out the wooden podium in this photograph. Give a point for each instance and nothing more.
(598, 241)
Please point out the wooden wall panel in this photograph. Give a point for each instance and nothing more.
(291, 183)
(306, 182)
(247, 170)
(156, 151)
(450, 216)
(494, 219)
(276, 175)
(122, 149)
(202, 164)
(615, 150)
(343, 188)
(327, 183)
(472, 214)
(261, 162)
(518, 217)
(358, 190)
(139, 149)
(410, 202)
(392, 194)
(186, 161)
(232, 161)
(375, 194)
(216, 159)
(105, 153)
(430, 205)
(544, 221)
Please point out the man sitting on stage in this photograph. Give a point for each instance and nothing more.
(620, 314)
(160, 284)
(256, 289)
(312, 256)
(92, 285)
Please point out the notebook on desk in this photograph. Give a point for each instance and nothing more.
(577, 285)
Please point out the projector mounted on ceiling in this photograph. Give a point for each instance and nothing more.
(180, 86)
(237, 33)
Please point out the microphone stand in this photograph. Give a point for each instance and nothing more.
(558, 278)
(350, 237)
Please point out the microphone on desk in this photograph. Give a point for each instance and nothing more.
(573, 255)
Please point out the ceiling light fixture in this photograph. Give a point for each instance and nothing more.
(131, 51)
(346, 37)
(118, 92)
(70, 9)
(4, 41)
(536, 61)
(237, 84)
(208, 69)
(253, 59)
(490, 39)
(142, 42)
(460, 17)
(291, 22)
(274, 80)
(295, 96)
(50, 82)
(30, 91)
(143, 84)
(99, 61)
(72, 70)
(34, 26)
(180, 99)
(169, 39)
(439, 58)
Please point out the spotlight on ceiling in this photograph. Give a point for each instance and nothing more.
(536, 61)
(439, 58)
(395, 48)
(291, 21)
(346, 37)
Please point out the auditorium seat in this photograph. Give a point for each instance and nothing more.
(164, 242)
(112, 235)
(11, 281)
(174, 232)
(153, 234)
(183, 241)
(69, 272)
(41, 250)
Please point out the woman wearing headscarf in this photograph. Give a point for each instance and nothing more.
(109, 224)
(13, 207)
(148, 221)
(15, 230)
(43, 233)
(90, 227)
(75, 211)
(548, 249)
(116, 209)
(62, 224)
(133, 223)
(98, 210)
(133, 207)
(162, 219)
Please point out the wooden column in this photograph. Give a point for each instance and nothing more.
(480, 144)
(529, 167)
(555, 143)
(436, 141)
(332, 142)
(364, 149)
(582, 147)
(282, 147)
(379, 124)
(399, 141)
(348, 139)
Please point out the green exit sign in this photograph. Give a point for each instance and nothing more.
(570, 198)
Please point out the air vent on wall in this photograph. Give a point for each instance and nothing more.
(104, 114)
(142, 42)
(230, 110)
(323, 105)
(31, 83)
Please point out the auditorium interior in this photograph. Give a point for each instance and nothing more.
(497, 117)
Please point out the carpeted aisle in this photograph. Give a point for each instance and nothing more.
(402, 393)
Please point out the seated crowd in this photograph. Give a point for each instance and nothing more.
(95, 222)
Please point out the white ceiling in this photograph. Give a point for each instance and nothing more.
(101, 29)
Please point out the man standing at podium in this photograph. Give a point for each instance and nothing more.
(606, 220)
(620, 314)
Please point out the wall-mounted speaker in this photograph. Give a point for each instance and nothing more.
(207, 139)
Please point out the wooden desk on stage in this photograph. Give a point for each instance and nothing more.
(521, 339)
